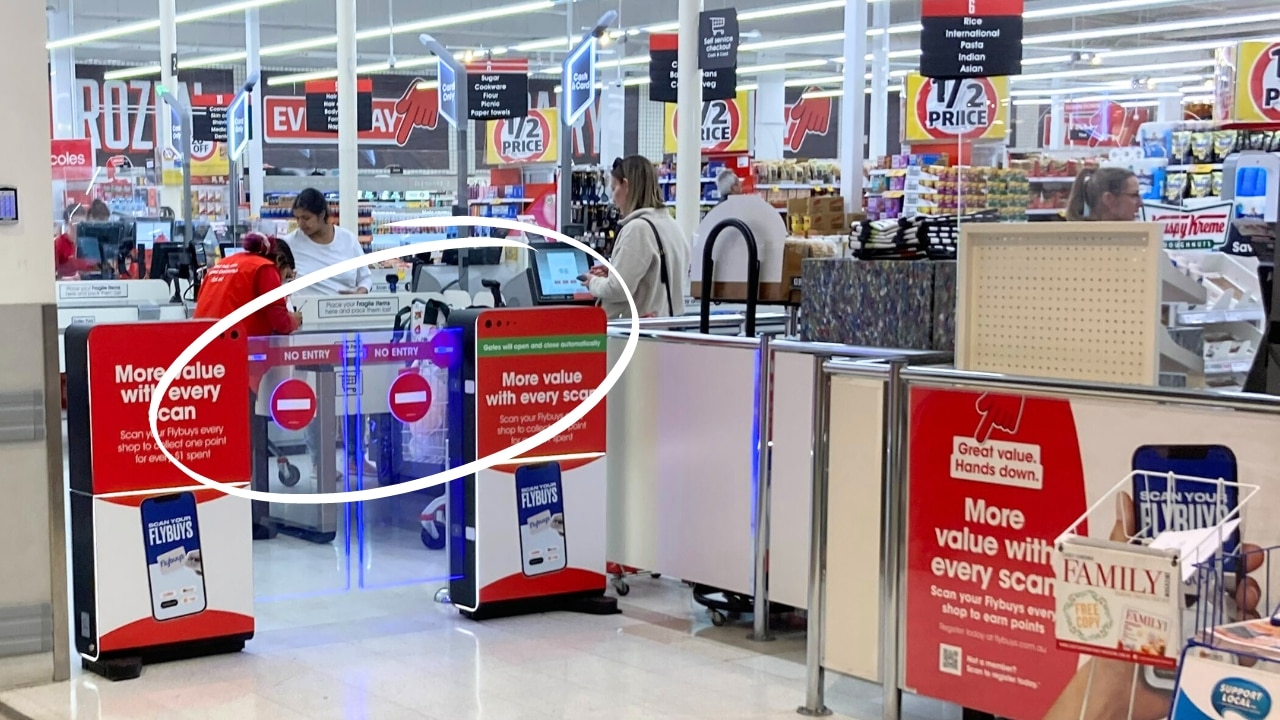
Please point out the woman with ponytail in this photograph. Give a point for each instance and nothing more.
(265, 265)
(1107, 194)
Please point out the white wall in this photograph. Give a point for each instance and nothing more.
(26, 283)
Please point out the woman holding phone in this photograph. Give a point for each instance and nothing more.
(651, 255)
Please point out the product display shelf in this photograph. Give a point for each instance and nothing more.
(1212, 313)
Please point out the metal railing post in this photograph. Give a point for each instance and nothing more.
(764, 476)
(815, 675)
(893, 489)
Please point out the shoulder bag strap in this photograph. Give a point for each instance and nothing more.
(662, 265)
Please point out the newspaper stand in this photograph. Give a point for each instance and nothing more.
(1133, 595)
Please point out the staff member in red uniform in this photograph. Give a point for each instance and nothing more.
(265, 265)
(66, 264)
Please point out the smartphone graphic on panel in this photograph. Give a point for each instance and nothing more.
(1194, 506)
(540, 511)
(171, 536)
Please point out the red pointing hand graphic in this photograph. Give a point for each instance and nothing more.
(807, 115)
(416, 109)
(998, 412)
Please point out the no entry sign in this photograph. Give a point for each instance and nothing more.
(293, 404)
(409, 397)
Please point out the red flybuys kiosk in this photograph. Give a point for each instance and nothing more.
(162, 566)
(529, 536)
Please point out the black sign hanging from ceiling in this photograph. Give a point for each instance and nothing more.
(664, 76)
(497, 89)
(209, 114)
(322, 106)
(718, 39)
(970, 38)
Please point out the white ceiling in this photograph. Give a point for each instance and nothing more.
(299, 20)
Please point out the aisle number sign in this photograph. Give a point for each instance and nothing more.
(522, 140)
(724, 126)
(1249, 82)
(965, 108)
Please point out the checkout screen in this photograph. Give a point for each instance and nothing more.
(148, 232)
(558, 272)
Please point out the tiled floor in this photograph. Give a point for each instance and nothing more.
(394, 654)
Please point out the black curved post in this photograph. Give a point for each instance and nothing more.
(708, 273)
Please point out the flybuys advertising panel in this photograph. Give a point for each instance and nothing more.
(158, 560)
(538, 523)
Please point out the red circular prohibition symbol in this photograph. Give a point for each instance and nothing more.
(293, 404)
(409, 397)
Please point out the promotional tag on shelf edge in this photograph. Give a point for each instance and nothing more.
(529, 139)
(969, 109)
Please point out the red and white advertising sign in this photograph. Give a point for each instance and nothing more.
(293, 404)
(202, 418)
(1201, 228)
(967, 108)
(71, 159)
(394, 120)
(1097, 124)
(1264, 82)
(529, 139)
(409, 397)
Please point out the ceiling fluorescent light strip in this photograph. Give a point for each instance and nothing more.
(289, 48)
(277, 80)
(1149, 29)
(148, 25)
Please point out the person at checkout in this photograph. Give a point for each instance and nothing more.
(651, 254)
(66, 263)
(265, 265)
(762, 219)
(317, 244)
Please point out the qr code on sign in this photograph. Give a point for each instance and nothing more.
(951, 660)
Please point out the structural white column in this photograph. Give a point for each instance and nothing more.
(168, 58)
(33, 565)
(348, 134)
(1057, 125)
(1169, 110)
(878, 135)
(253, 64)
(853, 103)
(770, 115)
(62, 74)
(689, 124)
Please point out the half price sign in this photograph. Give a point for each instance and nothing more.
(960, 109)
(519, 140)
(1251, 75)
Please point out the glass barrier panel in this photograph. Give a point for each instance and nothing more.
(398, 431)
(298, 415)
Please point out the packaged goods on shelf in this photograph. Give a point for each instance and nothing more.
(808, 172)
(917, 238)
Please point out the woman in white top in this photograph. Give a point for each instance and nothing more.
(651, 255)
(318, 244)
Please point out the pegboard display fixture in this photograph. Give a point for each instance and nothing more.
(1078, 301)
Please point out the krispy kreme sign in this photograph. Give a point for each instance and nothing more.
(1201, 228)
(957, 109)
(529, 139)
(724, 126)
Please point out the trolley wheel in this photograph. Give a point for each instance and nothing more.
(434, 541)
(288, 474)
(621, 587)
(655, 576)
(717, 618)
(442, 596)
